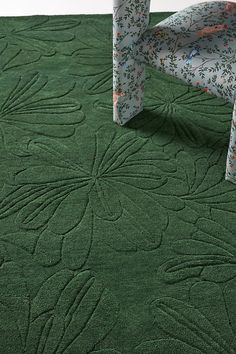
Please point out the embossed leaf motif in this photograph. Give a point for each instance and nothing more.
(162, 346)
(72, 249)
(76, 316)
(210, 253)
(198, 187)
(93, 59)
(39, 34)
(13, 57)
(24, 107)
(174, 110)
(203, 326)
(106, 351)
(94, 168)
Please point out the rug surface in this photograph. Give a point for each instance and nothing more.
(113, 240)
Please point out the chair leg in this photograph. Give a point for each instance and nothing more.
(130, 21)
(230, 174)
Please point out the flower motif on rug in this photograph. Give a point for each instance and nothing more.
(39, 35)
(25, 109)
(97, 173)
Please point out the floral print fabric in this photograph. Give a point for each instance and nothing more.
(196, 45)
(130, 20)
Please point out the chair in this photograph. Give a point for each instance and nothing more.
(196, 44)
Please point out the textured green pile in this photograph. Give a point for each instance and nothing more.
(113, 240)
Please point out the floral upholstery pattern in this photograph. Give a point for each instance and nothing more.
(196, 45)
(130, 20)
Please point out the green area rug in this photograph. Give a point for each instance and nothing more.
(113, 240)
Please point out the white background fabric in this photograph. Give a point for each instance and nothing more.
(57, 7)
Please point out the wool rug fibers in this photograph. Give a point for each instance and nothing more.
(113, 240)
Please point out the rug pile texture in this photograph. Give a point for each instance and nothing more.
(113, 240)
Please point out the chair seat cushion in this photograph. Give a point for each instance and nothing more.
(198, 45)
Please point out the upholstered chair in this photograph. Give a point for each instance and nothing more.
(197, 45)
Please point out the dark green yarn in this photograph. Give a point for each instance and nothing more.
(112, 240)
